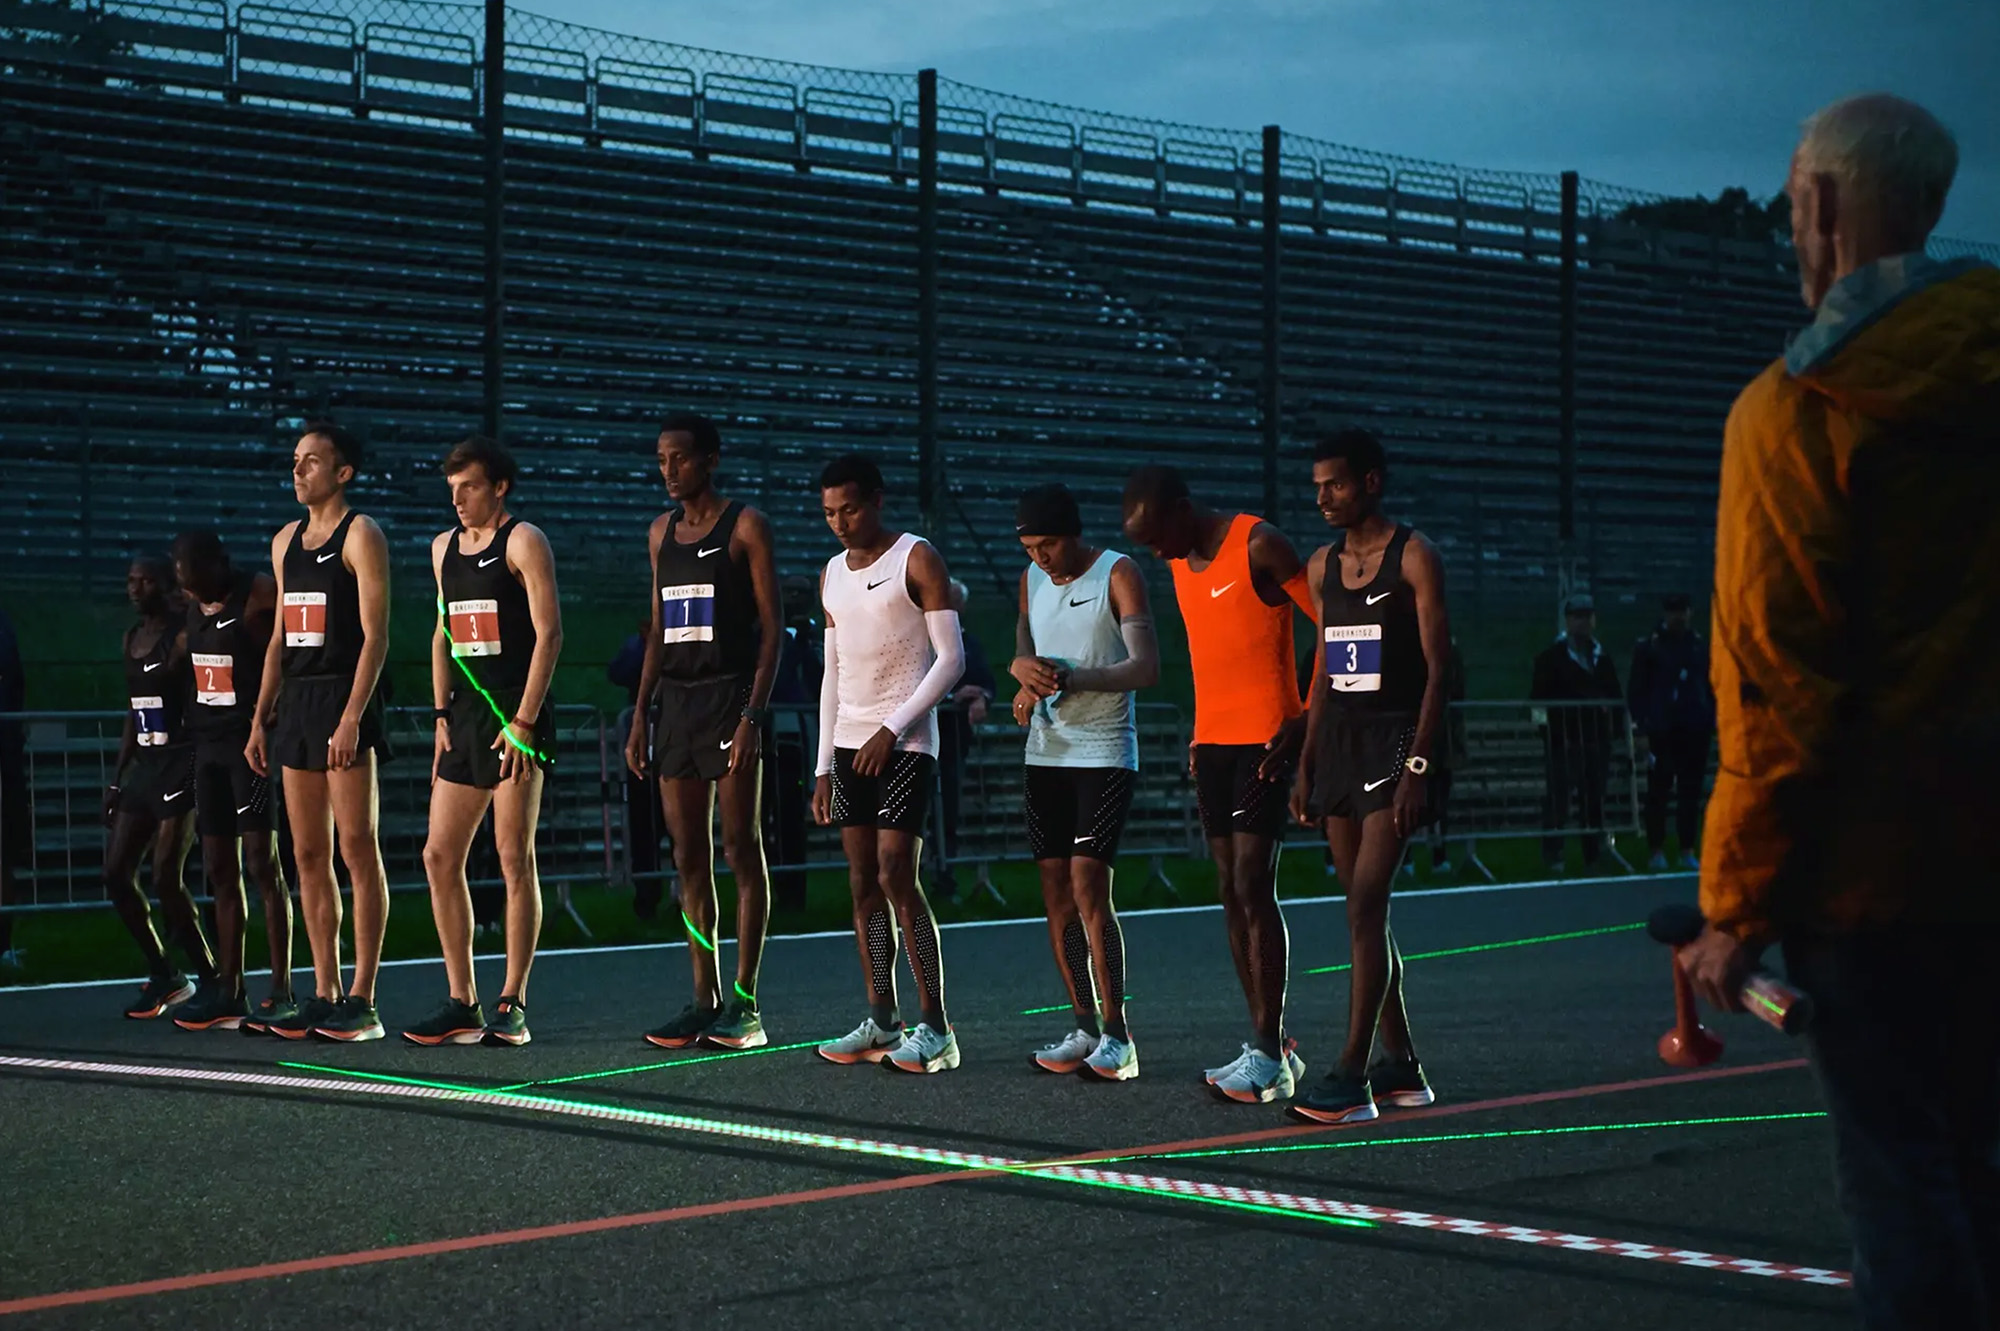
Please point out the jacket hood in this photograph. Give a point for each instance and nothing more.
(1909, 340)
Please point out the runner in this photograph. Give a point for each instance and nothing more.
(1378, 705)
(1232, 577)
(1083, 642)
(319, 719)
(229, 617)
(712, 653)
(499, 632)
(893, 649)
(151, 804)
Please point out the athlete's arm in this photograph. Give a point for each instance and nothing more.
(929, 585)
(1141, 667)
(753, 537)
(274, 646)
(1277, 572)
(440, 659)
(829, 712)
(128, 738)
(530, 559)
(366, 555)
(1424, 571)
(1316, 693)
(1038, 677)
(649, 668)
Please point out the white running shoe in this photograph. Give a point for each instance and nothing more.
(1292, 1061)
(925, 1049)
(1066, 1054)
(1214, 1075)
(1259, 1079)
(1114, 1059)
(866, 1043)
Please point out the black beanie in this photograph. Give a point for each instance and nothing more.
(1047, 510)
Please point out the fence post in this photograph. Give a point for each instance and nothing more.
(1566, 393)
(493, 137)
(929, 472)
(1270, 395)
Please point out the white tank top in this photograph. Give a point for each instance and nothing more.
(883, 648)
(1073, 623)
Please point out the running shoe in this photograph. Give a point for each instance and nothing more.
(925, 1049)
(300, 1024)
(272, 1009)
(1440, 868)
(212, 1010)
(1258, 1079)
(1658, 864)
(1689, 862)
(509, 1025)
(866, 1043)
(1292, 1061)
(158, 994)
(14, 959)
(685, 1029)
(739, 1027)
(1113, 1059)
(352, 1020)
(1335, 1098)
(1067, 1054)
(452, 1023)
(1400, 1083)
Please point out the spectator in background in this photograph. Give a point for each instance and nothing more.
(16, 835)
(1576, 669)
(1674, 713)
(642, 803)
(794, 740)
(970, 698)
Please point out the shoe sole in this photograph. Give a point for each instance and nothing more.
(864, 1056)
(1125, 1073)
(672, 1041)
(1353, 1114)
(180, 995)
(494, 1039)
(349, 1037)
(1407, 1099)
(286, 1034)
(464, 1035)
(944, 1062)
(754, 1041)
(1259, 1095)
(1292, 1060)
(229, 1023)
(1061, 1068)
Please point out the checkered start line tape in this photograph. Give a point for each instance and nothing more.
(1318, 1208)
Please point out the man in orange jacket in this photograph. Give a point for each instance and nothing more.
(1856, 665)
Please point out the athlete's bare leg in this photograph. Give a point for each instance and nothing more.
(517, 808)
(456, 813)
(260, 861)
(353, 795)
(310, 813)
(1365, 854)
(1067, 937)
(874, 923)
(689, 804)
(1090, 889)
(897, 855)
(740, 796)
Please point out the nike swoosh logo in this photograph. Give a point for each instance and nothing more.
(1370, 785)
(223, 624)
(1239, 813)
(1080, 840)
(1214, 592)
(1379, 596)
(873, 585)
(1345, 683)
(150, 669)
(726, 743)
(703, 554)
(1085, 601)
(328, 555)
(484, 562)
(176, 795)
(244, 809)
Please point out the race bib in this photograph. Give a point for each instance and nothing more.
(305, 619)
(687, 613)
(1354, 658)
(474, 627)
(149, 721)
(214, 680)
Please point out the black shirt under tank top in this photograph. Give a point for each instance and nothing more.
(1374, 652)
(707, 603)
(486, 613)
(321, 613)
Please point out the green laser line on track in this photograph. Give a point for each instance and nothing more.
(1493, 947)
(655, 1067)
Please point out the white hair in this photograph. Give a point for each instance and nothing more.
(1888, 151)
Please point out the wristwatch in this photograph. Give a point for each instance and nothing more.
(757, 716)
(1418, 764)
(440, 714)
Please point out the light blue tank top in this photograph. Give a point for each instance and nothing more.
(1074, 624)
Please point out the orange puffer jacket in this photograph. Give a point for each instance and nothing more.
(1856, 636)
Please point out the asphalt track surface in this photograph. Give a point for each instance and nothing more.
(153, 1177)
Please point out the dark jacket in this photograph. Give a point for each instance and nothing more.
(1669, 689)
(1561, 677)
(625, 667)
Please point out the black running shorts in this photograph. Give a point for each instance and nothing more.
(898, 798)
(697, 725)
(158, 783)
(309, 708)
(472, 760)
(1077, 811)
(230, 799)
(1231, 796)
(1359, 763)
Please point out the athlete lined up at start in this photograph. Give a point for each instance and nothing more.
(1351, 759)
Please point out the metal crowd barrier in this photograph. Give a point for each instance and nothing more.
(1521, 769)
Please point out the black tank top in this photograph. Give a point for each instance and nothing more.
(708, 607)
(226, 664)
(322, 609)
(156, 685)
(486, 614)
(1374, 653)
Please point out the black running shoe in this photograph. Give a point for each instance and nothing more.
(158, 994)
(1401, 1083)
(1335, 1098)
(212, 1010)
(352, 1020)
(453, 1023)
(270, 1010)
(739, 1027)
(509, 1025)
(685, 1029)
(300, 1024)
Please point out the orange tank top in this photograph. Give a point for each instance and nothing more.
(1245, 678)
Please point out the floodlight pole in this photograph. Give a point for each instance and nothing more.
(930, 472)
(493, 103)
(1270, 389)
(1566, 394)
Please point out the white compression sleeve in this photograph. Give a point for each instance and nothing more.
(949, 645)
(829, 705)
